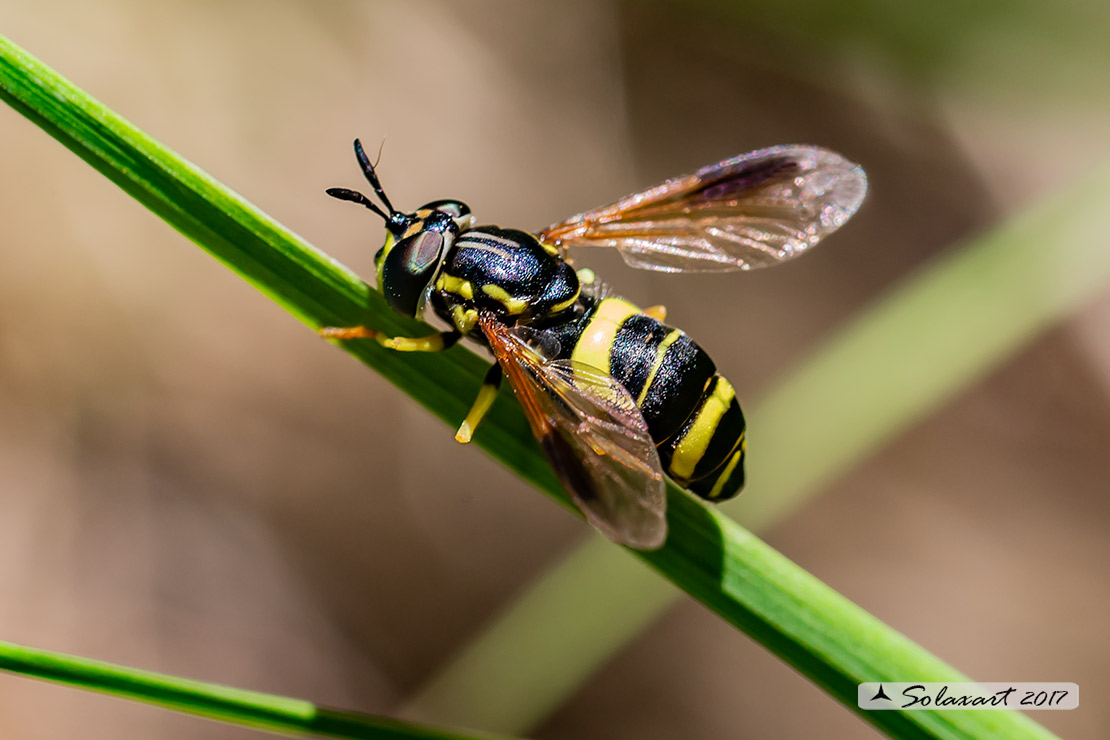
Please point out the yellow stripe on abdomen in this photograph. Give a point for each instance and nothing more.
(722, 479)
(660, 357)
(596, 341)
(695, 442)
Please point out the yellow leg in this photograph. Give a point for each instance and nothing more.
(481, 405)
(433, 343)
(659, 313)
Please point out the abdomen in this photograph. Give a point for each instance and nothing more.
(691, 411)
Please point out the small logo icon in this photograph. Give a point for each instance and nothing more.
(880, 694)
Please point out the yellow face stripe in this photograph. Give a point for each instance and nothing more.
(692, 446)
(388, 243)
(381, 257)
(458, 286)
(413, 228)
(663, 346)
(499, 294)
(594, 345)
(727, 472)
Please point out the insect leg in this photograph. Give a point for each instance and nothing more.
(432, 343)
(481, 404)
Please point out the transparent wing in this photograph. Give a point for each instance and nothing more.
(594, 436)
(750, 211)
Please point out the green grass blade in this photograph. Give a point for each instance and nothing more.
(933, 335)
(826, 637)
(248, 708)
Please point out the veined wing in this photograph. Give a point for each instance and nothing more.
(750, 211)
(594, 436)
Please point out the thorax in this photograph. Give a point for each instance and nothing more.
(507, 272)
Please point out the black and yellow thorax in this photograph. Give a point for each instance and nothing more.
(507, 272)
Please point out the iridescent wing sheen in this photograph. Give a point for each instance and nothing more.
(594, 436)
(750, 211)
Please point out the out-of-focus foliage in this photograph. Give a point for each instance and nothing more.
(278, 714)
(1007, 47)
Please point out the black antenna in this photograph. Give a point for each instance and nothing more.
(356, 197)
(368, 170)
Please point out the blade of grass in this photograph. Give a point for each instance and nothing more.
(934, 335)
(830, 640)
(248, 708)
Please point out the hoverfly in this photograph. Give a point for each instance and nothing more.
(616, 398)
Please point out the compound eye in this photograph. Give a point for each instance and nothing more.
(420, 252)
(408, 268)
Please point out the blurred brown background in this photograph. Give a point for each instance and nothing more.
(192, 482)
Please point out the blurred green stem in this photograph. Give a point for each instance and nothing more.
(902, 358)
(249, 708)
